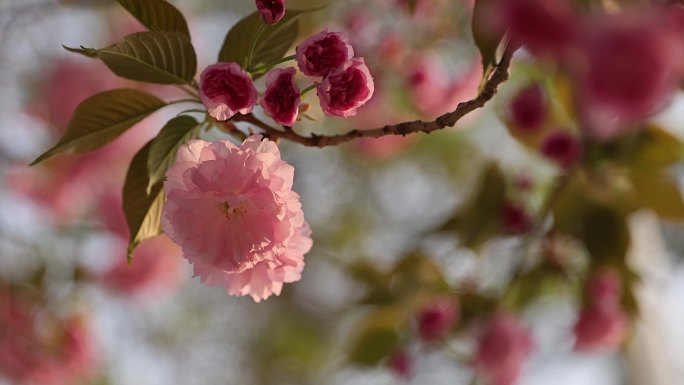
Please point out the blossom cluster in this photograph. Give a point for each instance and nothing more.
(343, 83)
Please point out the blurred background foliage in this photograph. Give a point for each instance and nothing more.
(397, 222)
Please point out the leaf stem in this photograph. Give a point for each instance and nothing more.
(307, 89)
(260, 30)
(266, 67)
(184, 101)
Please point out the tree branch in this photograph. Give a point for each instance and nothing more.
(449, 119)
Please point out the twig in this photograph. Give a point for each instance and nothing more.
(449, 119)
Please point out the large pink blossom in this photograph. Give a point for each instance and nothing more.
(502, 349)
(225, 90)
(281, 98)
(233, 212)
(346, 88)
(541, 25)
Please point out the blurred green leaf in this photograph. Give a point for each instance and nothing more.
(157, 15)
(141, 205)
(165, 145)
(377, 336)
(273, 43)
(658, 192)
(487, 36)
(102, 118)
(153, 57)
(655, 148)
(605, 234)
(479, 219)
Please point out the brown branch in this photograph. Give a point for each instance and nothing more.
(449, 119)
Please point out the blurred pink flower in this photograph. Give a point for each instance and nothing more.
(41, 349)
(514, 219)
(66, 84)
(225, 90)
(436, 320)
(602, 325)
(346, 88)
(541, 25)
(281, 98)
(562, 147)
(628, 70)
(323, 52)
(271, 10)
(154, 269)
(233, 212)
(401, 364)
(502, 349)
(431, 90)
(600, 328)
(528, 109)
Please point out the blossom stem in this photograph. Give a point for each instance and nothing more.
(307, 89)
(260, 30)
(266, 67)
(491, 86)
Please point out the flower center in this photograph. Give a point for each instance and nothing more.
(229, 211)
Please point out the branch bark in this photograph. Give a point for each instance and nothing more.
(449, 119)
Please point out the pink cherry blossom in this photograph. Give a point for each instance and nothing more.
(323, 52)
(436, 320)
(600, 328)
(604, 288)
(627, 72)
(346, 88)
(528, 109)
(281, 98)
(503, 347)
(562, 148)
(271, 10)
(225, 90)
(233, 212)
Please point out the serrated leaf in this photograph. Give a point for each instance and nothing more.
(153, 57)
(102, 118)
(142, 207)
(486, 36)
(157, 15)
(274, 42)
(164, 146)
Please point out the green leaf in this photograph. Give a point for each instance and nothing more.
(655, 148)
(486, 36)
(605, 234)
(479, 219)
(153, 57)
(102, 118)
(273, 43)
(142, 207)
(377, 336)
(658, 192)
(157, 15)
(164, 146)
